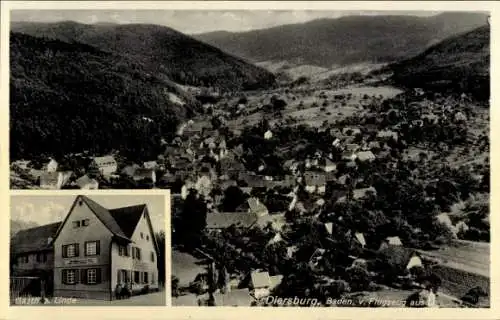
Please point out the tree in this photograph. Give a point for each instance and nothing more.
(161, 258)
(358, 278)
(233, 198)
(193, 219)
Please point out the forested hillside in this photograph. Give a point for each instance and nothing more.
(346, 40)
(460, 63)
(73, 97)
(161, 50)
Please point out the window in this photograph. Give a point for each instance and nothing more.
(70, 250)
(137, 277)
(152, 278)
(147, 238)
(142, 235)
(123, 276)
(145, 277)
(80, 223)
(92, 248)
(24, 259)
(152, 257)
(136, 253)
(69, 276)
(41, 257)
(123, 250)
(91, 276)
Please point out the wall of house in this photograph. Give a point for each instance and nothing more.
(147, 246)
(51, 166)
(131, 264)
(32, 264)
(96, 230)
(105, 169)
(119, 263)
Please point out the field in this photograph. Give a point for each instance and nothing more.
(464, 265)
(316, 115)
(472, 257)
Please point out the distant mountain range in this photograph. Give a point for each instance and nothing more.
(459, 63)
(160, 50)
(347, 40)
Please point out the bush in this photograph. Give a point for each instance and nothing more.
(358, 278)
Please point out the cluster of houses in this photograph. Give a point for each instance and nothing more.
(91, 253)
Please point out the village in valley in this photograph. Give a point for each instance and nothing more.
(293, 191)
(349, 188)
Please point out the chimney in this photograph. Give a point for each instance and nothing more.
(49, 240)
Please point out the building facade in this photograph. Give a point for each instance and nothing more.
(95, 249)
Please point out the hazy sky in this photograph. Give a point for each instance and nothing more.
(48, 209)
(196, 21)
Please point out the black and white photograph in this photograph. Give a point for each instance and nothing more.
(315, 158)
(87, 250)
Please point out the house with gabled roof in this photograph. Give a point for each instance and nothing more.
(54, 180)
(315, 182)
(394, 241)
(87, 183)
(365, 156)
(387, 134)
(143, 173)
(106, 165)
(32, 251)
(96, 248)
(217, 221)
(50, 165)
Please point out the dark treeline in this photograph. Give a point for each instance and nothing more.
(72, 97)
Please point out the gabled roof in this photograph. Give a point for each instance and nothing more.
(394, 241)
(104, 215)
(144, 173)
(260, 279)
(222, 220)
(130, 169)
(361, 193)
(365, 155)
(397, 256)
(255, 205)
(34, 239)
(84, 180)
(315, 178)
(105, 159)
(114, 219)
(127, 218)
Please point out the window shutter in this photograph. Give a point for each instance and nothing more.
(64, 276)
(98, 247)
(119, 276)
(83, 276)
(77, 249)
(98, 275)
(64, 251)
(77, 276)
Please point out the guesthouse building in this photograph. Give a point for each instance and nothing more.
(97, 248)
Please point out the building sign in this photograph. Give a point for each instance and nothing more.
(80, 261)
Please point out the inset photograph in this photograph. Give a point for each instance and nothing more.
(87, 249)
